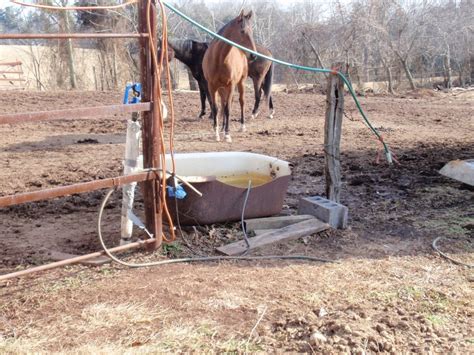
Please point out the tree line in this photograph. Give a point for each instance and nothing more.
(398, 42)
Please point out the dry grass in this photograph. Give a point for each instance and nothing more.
(225, 300)
(193, 317)
(390, 293)
(122, 328)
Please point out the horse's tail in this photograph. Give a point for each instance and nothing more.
(267, 83)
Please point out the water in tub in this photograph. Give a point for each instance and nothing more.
(242, 180)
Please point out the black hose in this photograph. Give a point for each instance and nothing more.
(435, 247)
(196, 259)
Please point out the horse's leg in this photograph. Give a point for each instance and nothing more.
(208, 96)
(202, 93)
(241, 88)
(222, 95)
(226, 97)
(213, 97)
(270, 106)
(257, 84)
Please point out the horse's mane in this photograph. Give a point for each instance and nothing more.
(223, 28)
(183, 46)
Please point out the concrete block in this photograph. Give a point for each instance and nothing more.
(334, 214)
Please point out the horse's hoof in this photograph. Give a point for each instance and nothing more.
(254, 115)
(243, 128)
(228, 139)
(218, 138)
(270, 116)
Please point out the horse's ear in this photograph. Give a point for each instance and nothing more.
(249, 15)
(241, 15)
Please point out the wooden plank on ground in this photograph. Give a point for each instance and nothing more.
(258, 232)
(290, 232)
(274, 222)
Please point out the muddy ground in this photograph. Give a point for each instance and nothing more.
(388, 291)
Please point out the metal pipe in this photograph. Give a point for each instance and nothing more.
(11, 79)
(11, 200)
(10, 64)
(77, 259)
(70, 35)
(74, 113)
(150, 139)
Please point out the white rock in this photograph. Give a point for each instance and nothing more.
(317, 338)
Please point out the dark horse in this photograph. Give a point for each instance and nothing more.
(226, 66)
(191, 53)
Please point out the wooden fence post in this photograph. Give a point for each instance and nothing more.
(332, 134)
(150, 125)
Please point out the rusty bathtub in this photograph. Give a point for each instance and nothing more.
(223, 179)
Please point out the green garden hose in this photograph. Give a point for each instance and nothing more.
(388, 153)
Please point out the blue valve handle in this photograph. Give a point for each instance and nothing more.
(136, 89)
(177, 192)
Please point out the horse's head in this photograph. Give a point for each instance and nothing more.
(240, 31)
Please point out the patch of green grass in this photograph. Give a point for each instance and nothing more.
(436, 319)
(172, 249)
(428, 301)
(239, 346)
(68, 282)
(107, 271)
(435, 301)
(382, 296)
(312, 298)
(202, 338)
(412, 293)
(450, 224)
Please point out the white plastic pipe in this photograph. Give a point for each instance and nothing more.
(133, 162)
(164, 111)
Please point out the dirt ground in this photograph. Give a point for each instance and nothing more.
(387, 291)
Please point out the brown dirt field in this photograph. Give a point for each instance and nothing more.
(388, 292)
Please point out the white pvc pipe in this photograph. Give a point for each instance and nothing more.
(133, 162)
(164, 111)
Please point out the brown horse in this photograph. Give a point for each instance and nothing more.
(225, 66)
(191, 53)
(261, 72)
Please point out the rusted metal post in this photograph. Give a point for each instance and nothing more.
(74, 260)
(332, 134)
(16, 199)
(150, 124)
(73, 113)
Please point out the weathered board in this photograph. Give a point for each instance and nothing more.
(290, 232)
(274, 222)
